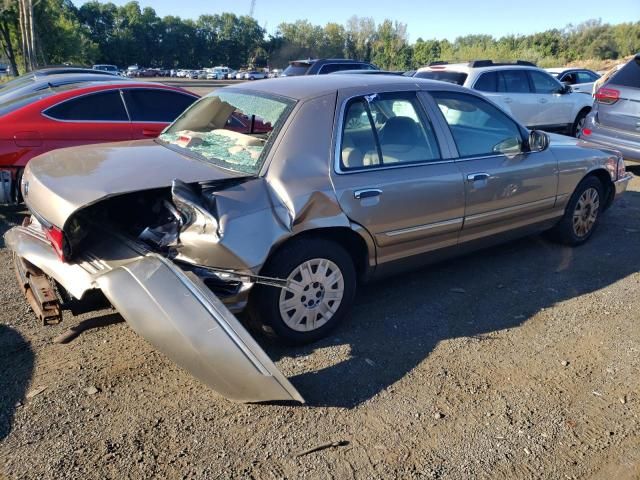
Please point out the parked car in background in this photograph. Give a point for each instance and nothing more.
(79, 114)
(287, 223)
(45, 72)
(255, 75)
(580, 79)
(323, 66)
(531, 95)
(240, 74)
(113, 69)
(133, 71)
(365, 72)
(38, 84)
(614, 121)
(275, 73)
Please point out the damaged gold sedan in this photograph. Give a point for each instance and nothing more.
(278, 199)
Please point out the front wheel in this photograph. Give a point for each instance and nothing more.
(321, 288)
(578, 125)
(582, 214)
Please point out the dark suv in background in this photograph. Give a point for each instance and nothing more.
(324, 66)
(614, 121)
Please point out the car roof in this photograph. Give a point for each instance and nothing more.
(73, 78)
(64, 70)
(465, 68)
(307, 87)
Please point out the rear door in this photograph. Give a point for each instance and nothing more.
(91, 118)
(151, 110)
(395, 178)
(505, 186)
(620, 108)
(510, 88)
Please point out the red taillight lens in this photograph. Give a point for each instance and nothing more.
(607, 96)
(56, 237)
(586, 131)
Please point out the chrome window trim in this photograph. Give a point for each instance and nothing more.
(124, 103)
(119, 89)
(337, 154)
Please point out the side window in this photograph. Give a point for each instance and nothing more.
(96, 107)
(330, 68)
(386, 130)
(586, 77)
(569, 78)
(156, 105)
(488, 82)
(543, 83)
(514, 81)
(478, 128)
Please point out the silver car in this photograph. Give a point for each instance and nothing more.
(614, 121)
(330, 182)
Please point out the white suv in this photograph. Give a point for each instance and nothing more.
(531, 95)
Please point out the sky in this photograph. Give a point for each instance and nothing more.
(427, 19)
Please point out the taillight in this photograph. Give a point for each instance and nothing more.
(608, 96)
(56, 237)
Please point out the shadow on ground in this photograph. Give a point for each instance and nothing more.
(16, 368)
(397, 323)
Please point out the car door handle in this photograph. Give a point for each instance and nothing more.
(368, 193)
(543, 100)
(477, 177)
(508, 100)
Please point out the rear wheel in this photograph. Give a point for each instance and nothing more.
(582, 214)
(322, 283)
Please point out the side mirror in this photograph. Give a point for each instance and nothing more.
(538, 141)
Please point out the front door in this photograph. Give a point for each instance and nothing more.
(505, 186)
(392, 178)
(151, 110)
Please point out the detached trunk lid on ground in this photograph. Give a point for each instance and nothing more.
(60, 182)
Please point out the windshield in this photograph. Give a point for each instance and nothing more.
(444, 76)
(230, 129)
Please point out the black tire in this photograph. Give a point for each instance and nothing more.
(566, 231)
(265, 300)
(579, 122)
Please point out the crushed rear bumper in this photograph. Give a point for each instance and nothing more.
(171, 309)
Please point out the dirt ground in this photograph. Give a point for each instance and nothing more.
(521, 361)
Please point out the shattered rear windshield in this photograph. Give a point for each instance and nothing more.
(230, 129)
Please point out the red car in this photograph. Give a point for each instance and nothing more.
(80, 114)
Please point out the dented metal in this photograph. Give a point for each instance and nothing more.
(158, 228)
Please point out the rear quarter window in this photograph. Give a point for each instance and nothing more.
(95, 107)
(629, 75)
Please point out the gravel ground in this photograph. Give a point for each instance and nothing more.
(521, 361)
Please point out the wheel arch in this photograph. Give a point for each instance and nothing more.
(355, 239)
(605, 179)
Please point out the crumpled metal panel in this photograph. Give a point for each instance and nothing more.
(184, 320)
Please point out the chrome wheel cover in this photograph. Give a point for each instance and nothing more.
(586, 212)
(314, 294)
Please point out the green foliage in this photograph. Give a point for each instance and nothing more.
(128, 34)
